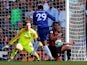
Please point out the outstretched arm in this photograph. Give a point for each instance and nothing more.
(16, 37)
(51, 17)
(35, 34)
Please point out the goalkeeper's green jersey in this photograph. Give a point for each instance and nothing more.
(26, 38)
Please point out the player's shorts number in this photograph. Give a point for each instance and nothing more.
(42, 16)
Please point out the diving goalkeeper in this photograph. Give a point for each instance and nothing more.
(26, 36)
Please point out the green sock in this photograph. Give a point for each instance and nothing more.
(14, 52)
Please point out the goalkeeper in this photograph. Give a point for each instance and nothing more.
(25, 36)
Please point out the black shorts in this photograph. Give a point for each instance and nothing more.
(56, 51)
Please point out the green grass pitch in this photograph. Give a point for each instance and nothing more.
(44, 63)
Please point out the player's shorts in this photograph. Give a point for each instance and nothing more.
(29, 48)
(56, 51)
(43, 32)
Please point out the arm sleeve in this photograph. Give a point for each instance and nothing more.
(35, 34)
(50, 16)
(16, 37)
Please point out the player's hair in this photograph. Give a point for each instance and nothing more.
(27, 21)
(55, 23)
(40, 6)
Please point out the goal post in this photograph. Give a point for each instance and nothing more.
(75, 28)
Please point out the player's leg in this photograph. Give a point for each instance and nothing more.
(54, 50)
(15, 50)
(43, 37)
(30, 49)
(36, 44)
(68, 49)
(47, 50)
(13, 53)
(65, 47)
(37, 56)
(58, 53)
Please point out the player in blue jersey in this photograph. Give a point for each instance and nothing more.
(40, 18)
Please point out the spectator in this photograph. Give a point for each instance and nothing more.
(63, 31)
(23, 1)
(13, 0)
(20, 26)
(52, 11)
(36, 8)
(3, 39)
(7, 28)
(62, 17)
(5, 4)
(3, 10)
(45, 5)
(16, 16)
(29, 13)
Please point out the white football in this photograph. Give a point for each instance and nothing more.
(58, 43)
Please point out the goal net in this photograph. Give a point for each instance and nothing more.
(77, 30)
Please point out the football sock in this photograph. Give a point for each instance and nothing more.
(14, 52)
(37, 56)
(46, 49)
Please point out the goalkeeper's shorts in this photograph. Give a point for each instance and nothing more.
(29, 48)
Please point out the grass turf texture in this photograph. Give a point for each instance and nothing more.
(44, 63)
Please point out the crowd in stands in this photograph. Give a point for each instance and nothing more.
(14, 12)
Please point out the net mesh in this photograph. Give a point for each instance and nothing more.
(77, 30)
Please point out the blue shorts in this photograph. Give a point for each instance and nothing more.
(43, 33)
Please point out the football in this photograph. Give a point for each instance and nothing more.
(58, 43)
